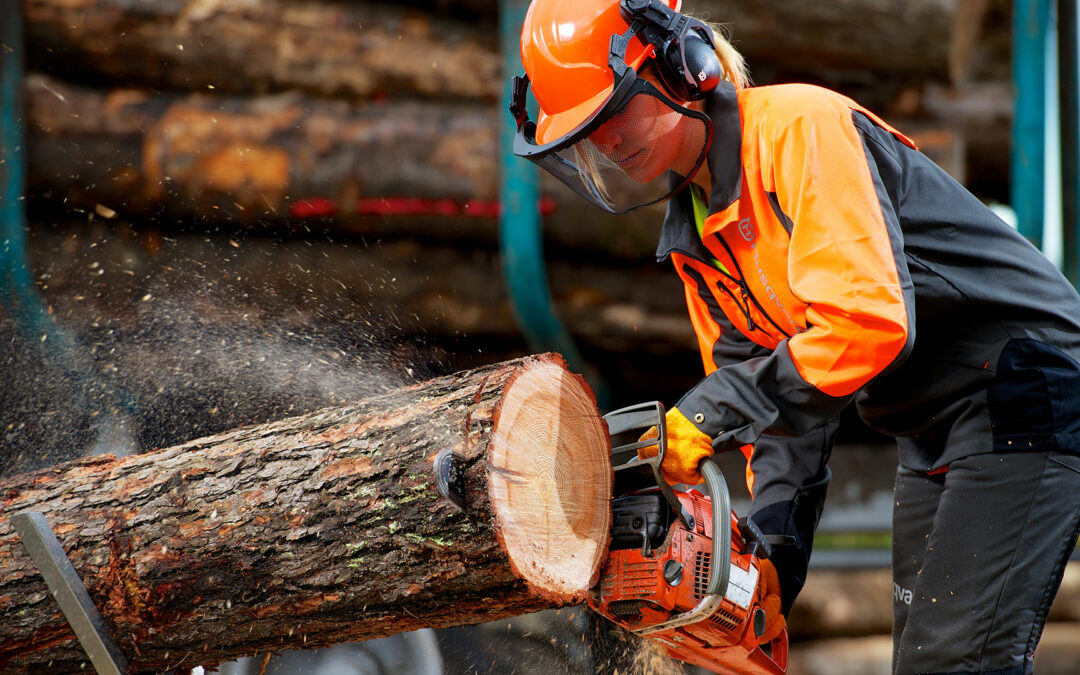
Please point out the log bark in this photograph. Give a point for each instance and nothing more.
(363, 49)
(323, 528)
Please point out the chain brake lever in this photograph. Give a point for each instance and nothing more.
(644, 416)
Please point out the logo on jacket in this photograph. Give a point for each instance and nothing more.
(746, 229)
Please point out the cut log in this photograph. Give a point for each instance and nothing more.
(209, 333)
(323, 528)
(369, 48)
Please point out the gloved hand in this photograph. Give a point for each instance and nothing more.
(769, 583)
(686, 447)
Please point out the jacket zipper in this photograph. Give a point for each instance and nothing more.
(746, 302)
(746, 289)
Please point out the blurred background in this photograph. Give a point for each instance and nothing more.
(223, 212)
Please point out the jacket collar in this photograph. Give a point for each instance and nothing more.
(725, 166)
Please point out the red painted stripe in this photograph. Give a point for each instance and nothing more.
(322, 207)
(406, 206)
(314, 207)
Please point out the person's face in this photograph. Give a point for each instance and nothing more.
(643, 139)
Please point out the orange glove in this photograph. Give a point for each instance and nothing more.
(686, 447)
(769, 583)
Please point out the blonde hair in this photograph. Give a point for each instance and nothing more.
(733, 63)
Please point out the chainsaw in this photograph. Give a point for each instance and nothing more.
(683, 569)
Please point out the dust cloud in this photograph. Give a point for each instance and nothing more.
(131, 341)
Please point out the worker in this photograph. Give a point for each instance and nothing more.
(826, 260)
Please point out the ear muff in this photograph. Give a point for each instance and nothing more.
(689, 68)
(685, 53)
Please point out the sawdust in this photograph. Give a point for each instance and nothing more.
(620, 652)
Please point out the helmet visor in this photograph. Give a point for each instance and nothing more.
(639, 149)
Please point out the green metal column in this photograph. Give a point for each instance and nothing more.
(18, 294)
(1031, 26)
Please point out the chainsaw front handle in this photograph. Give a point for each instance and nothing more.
(644, 416)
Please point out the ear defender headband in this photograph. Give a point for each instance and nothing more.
(684, 49)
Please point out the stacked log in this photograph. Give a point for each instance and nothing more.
(278, 158)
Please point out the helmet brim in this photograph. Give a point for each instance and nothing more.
(551, 128)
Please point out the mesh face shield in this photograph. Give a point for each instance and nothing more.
(638, 148)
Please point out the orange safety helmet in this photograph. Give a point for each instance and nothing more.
(613, 137)
(564, 47)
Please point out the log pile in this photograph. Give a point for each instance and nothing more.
(323, 528)
(239, 112)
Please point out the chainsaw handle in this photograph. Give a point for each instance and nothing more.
(720, 570)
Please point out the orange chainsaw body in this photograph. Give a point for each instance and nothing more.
(642, 588)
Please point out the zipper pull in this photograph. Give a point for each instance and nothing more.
(746, 304)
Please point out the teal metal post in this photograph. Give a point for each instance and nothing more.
(1069, 105)
(1031, 26)
(18, 293)
(13, 268)
(520, 240)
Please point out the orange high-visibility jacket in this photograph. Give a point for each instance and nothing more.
(838, 262)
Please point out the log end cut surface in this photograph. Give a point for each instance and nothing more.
(550, 481)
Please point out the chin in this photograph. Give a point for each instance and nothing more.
(644, 174)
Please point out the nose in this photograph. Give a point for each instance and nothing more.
(606, 139)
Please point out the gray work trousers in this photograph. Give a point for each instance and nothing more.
(978, 555)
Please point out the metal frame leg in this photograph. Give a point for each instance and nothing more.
(70, 593)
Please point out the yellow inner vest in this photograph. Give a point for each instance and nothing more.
(700, 211)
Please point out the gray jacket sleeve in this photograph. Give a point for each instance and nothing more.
(789, 473)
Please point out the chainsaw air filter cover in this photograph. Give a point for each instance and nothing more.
(639, 521)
